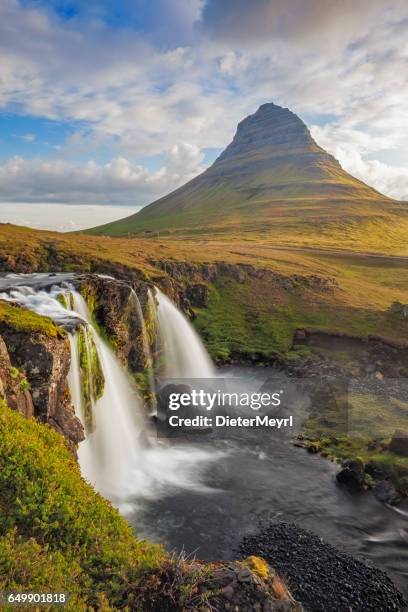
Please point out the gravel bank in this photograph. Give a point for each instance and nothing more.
(320, 576)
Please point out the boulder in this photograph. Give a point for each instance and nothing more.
(300, 334)
(385, 492)
(399, 443)
(241, 586)
(352, 473)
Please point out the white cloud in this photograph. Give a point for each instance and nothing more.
(117, 182)
(28, 137)
(349, 146)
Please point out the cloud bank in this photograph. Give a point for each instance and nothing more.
(180, 84)
(117, 182)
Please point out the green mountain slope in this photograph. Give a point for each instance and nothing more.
(273, 176)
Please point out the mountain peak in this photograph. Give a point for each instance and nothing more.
(271, 127)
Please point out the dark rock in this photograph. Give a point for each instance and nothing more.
(197, 295)
(300, 334)
(119, 309)
(234, 586)
(352, 473)
(181, 276)
(46, 361)
(399, 443)
(399, 310)
(385, 492)
(13, 385)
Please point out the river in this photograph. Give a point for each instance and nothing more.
(261, 477)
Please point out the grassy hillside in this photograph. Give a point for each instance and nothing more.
(265, 314)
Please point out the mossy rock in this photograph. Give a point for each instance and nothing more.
(23, 320)
(92, 377)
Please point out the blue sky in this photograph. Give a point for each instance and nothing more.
(106, 103)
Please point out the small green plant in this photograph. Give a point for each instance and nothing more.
(368, 481)
(24, 385)
(14, 373)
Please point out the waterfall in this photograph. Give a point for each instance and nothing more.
(113, 445)
(120, 456)
(184, 353)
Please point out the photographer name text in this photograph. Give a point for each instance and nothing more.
(227, 421)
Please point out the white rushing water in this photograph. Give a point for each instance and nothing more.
(120, 456)
(184, 353)
(113, 446)
(40, 301)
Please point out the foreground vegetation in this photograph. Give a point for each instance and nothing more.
(57, 534)
(56, 531)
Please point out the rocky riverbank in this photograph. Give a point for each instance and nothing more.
(320, 576)
(358, 409)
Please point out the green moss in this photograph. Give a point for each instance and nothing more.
(14, 373)
(70, 300)
(144, 385)
(24, 385)
(92, 302)
(92, 377)
(56, 532)
(89, 297)
(150, 319)
(24, 320)
(299, 352)
(241, 321)
(63, 300)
